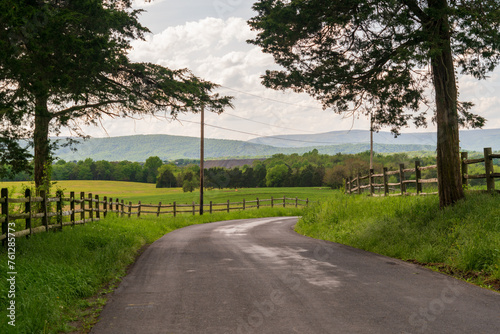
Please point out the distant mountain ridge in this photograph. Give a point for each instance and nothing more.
(470, 140)
(167, 147)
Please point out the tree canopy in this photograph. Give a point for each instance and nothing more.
(64, 64)
(13, 157)
(379, 57)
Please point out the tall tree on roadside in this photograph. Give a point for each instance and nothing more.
(64, 63)
(379, 56)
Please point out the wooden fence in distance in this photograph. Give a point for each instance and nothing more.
(362, 183)
(89, 208)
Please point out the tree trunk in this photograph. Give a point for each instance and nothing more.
(443, 71)
(41, 143)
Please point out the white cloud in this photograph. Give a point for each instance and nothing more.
(215, 49)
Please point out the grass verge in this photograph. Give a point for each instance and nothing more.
(63, 278)
(463, 240)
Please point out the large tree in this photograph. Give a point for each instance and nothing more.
(379, 56)
(63, 63)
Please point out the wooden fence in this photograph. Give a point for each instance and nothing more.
(89, 208)
(414, 176)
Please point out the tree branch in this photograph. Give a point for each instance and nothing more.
(416, 10)
(86, 106)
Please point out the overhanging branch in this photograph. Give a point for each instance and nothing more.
(86, 106)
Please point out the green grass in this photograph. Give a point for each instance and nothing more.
(147, 193)
(58, 273)
(463, 239)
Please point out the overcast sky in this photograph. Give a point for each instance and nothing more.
(209, 37)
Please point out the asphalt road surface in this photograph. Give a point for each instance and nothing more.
(259, 276)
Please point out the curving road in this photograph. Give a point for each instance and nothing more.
(259, 276)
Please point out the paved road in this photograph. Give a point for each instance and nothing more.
(259, 276)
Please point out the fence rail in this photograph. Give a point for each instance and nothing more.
(355, 185)
(83, 209)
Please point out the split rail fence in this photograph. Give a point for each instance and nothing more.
(41, 211)
(406, 176)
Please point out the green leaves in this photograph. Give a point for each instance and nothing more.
(69, 58)
(13, 157)
(360, 56)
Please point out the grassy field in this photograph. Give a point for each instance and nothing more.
(463, 240)
(147, 193)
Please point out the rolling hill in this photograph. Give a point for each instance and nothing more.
(140, 147)
(470, 140)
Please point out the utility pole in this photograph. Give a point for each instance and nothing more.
(202, 156)
(371, 141)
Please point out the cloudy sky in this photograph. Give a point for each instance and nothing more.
(209, 37)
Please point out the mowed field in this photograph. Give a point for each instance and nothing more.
(147, 193)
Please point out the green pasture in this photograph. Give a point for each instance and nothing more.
(147, 193)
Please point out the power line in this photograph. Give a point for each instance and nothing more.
(276, 126)
(269, 99)
(273, 137)
(292, 104)
(254, 134)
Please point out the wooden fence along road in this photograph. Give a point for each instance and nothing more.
(358, 184)
(89, 208)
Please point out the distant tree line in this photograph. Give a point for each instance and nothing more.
(310, 169)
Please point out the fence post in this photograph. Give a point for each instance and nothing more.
(296, 201)
(465, 168)
(97, 207)
(122, 209)
(284, 201)
(258, 204)
(27, 210)
(59, 208)
(488, 165)
(82, 207)
(129, 209)
(91, 208)
(72, 207)
(418, 176)
(350, 184)
(105, 206)
(386, 182)
(45, 218)
(175, 209)
(272, 202)
(345, 187)
(5, 211)
(402, 178)
(139, 210)
(228, 206)
(159, 208)
(194, 208)
(244, 204)
(210, 206)
(358, 182)
(370, 180)
(307, 201)
(111, 204)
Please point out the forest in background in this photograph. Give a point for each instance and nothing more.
(281, 170)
